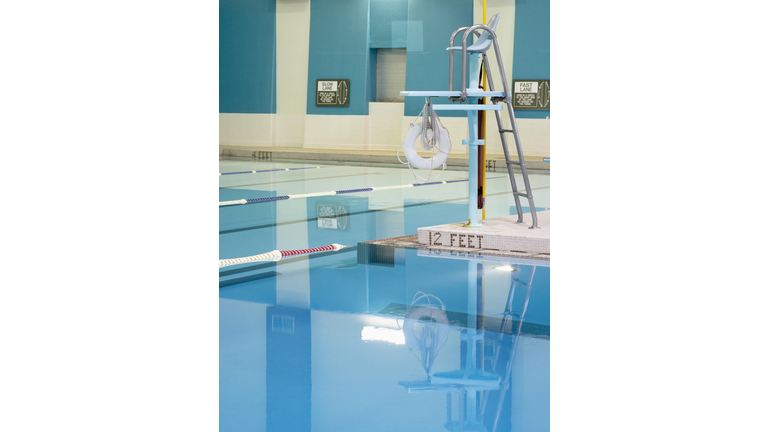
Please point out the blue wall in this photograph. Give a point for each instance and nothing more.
(531, 54)
(344, 36)
(247, 56)
(388, 23)
(342, 44)
(430, 25)
(338, 48)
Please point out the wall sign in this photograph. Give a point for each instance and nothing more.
(530, 94)
(332, 92)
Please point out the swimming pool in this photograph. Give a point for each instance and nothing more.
(374, 338)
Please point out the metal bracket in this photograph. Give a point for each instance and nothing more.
(474, 143)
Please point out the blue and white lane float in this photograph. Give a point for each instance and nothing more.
(269, 170)
(277, 255)
(339, 192)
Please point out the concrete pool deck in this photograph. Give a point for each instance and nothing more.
(499, 237)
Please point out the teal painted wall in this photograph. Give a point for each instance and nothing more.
(531, 53)
(247, 56)
(344, 36)
(339, 48)
(342, 44)
(430, 25)
(389, 23)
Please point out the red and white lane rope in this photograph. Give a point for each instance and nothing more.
(276, 255)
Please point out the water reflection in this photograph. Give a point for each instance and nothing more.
(416, 342)
(426, 329)
(507, 343)
(473, 386)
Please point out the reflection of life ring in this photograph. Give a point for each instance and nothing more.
(433, 342)
(409, 148)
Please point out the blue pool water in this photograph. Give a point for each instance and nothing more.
(374, 338)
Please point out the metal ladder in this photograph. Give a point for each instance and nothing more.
(483, 45)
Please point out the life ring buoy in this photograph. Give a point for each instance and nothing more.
(437, 341)
(409, 148)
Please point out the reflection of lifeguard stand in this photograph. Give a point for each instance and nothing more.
(508, 320)
(472, 379)
(468, 381)
(473, 93)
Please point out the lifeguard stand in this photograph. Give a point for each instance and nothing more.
(468, 97)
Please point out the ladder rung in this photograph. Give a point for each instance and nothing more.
(507, 130)
(513, 162)
(521, 194)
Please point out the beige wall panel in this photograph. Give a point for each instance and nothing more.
(534, 134)
(246, 129)
(292, 28)
(340, 132)
(385, 119)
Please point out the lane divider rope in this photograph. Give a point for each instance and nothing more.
(277, 255)
(269, 170)
(339, 192)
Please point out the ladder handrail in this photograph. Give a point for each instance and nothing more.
(499, 62)
(480, 46)
(450, 54)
